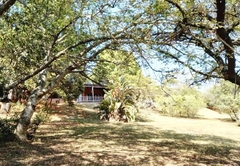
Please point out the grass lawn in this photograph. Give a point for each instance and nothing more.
(74, 136)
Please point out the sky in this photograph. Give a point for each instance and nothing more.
(183, 79)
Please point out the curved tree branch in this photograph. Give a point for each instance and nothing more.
(6, 6)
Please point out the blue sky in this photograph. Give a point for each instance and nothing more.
(182, 78)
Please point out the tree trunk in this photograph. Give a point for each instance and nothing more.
(229, 73)
(35, 96)
(5, 107)
(25, 118)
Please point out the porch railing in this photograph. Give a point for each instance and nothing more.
(90, 99)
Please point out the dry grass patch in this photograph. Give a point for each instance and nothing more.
(77, 137)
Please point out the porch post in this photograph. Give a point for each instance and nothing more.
(93, 92)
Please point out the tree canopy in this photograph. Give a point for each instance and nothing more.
(200, 35)
(112, 64)
(189, 34)
(43, 42)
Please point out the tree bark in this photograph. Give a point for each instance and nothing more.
(25, 118)
(229, 72)
(5, 107)
(35, 96)
(6, 6)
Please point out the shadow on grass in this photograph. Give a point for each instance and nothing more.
(121, 144)
(81, 139)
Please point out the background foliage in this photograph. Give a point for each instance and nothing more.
(224, 97)
(180, 101)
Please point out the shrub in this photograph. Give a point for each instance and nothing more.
(183, 102)
(119, 103)
(103, 110)
(7, 127)
(224, 97)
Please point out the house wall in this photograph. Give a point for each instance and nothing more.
(87, 95)
(97, 91)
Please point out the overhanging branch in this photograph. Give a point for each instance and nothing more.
(6, 6)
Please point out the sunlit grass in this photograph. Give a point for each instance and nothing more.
(78, 137)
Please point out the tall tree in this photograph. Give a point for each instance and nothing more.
(200, 35)
(47, 40)
(43, 41)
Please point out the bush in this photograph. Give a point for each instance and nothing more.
(183, 102)
(224, 97)
(103, 110)
(119, 103)
(7, 127)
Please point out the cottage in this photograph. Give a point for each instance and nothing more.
(92, 93)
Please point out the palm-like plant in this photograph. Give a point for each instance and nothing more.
(119, 102)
